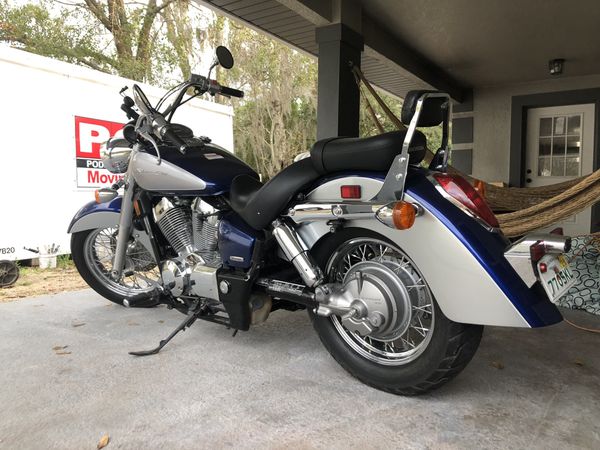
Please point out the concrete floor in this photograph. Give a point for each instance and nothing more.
(273, 387)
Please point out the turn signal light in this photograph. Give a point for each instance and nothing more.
(105, 195)
(137, 208)
(479, 186)
(403, 215)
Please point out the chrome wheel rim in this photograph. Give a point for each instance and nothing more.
(140, 273)
(413, 337)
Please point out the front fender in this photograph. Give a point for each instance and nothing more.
(96, 215)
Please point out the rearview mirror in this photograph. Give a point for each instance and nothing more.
(224, 57)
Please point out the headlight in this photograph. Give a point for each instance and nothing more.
(115, 154)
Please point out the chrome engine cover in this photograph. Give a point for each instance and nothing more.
(191, 230)
(174, 276)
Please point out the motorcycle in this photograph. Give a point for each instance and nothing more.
(399, 266)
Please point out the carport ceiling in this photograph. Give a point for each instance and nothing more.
(496, 41)
(450, 45)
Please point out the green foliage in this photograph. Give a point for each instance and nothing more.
(113, 36)
(277, 118)
(64, 262)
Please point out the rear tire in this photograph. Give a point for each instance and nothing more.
(98, 279)
(447, 351)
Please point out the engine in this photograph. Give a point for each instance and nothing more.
(191, 229)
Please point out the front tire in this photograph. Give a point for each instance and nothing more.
(92, 252)
(439, 349)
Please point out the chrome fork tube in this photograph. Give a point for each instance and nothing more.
(296, 252)
(124, 232)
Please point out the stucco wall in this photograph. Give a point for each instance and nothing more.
(491, 123)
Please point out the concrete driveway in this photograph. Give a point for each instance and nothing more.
(274, 386)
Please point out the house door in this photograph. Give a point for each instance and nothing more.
(560, 147)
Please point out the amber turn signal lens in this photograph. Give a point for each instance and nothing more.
(479, 187)
(97, 196)
(403, 215)
(137, 208)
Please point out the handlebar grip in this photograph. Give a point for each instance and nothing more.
(171, 136)
(231, 92)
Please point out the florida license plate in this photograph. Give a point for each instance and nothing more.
(558, 277)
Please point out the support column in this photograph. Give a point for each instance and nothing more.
(338, 96)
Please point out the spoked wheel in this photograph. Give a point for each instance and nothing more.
(9, 273)
(400, 341)
(93, 252)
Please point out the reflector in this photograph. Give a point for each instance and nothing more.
(350, 191)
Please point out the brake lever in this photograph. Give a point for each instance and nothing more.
(143, 132)
(149, 138)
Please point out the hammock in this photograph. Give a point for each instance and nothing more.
(533, 208)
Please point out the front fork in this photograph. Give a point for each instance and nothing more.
(124, 232)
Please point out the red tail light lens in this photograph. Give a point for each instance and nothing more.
(460, 189)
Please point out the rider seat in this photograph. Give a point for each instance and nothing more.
(260, 204)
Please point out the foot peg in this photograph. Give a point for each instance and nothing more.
(142, 299)
(191, 317)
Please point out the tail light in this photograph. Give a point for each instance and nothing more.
(461, 191)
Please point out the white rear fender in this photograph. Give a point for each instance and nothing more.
(462, 287)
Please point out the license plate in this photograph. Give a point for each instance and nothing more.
(558, 277)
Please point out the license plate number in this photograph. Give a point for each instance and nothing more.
(558, 277)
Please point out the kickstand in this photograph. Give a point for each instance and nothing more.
(191, 317)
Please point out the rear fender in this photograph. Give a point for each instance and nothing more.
(463, 263)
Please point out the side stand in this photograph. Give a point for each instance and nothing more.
(191, 317)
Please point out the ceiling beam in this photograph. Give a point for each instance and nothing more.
(390, 47)
(317, 12)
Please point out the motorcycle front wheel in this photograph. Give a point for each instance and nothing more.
(422, 349)
(92, 252)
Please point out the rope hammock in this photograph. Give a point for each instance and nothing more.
(533, 208)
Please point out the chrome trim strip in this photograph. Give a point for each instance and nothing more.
(309, 212)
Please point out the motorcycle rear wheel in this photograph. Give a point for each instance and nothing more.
(92, 252)
(438, 350)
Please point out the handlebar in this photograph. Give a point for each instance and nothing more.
(231, 92)
(160, 122)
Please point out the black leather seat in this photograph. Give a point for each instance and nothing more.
(260, 204)
(374, 153)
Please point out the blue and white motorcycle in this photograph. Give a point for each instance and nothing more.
(398, 266)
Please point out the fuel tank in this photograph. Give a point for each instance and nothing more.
(205, 169)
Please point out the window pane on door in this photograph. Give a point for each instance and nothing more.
(573, 145)
(546, 126)
(574, 125)
(559, 125)
(558, 167)
(545, 146)
(572, 167)
(558, 146)
(544, 167)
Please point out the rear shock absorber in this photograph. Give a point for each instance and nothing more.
(296, 252)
